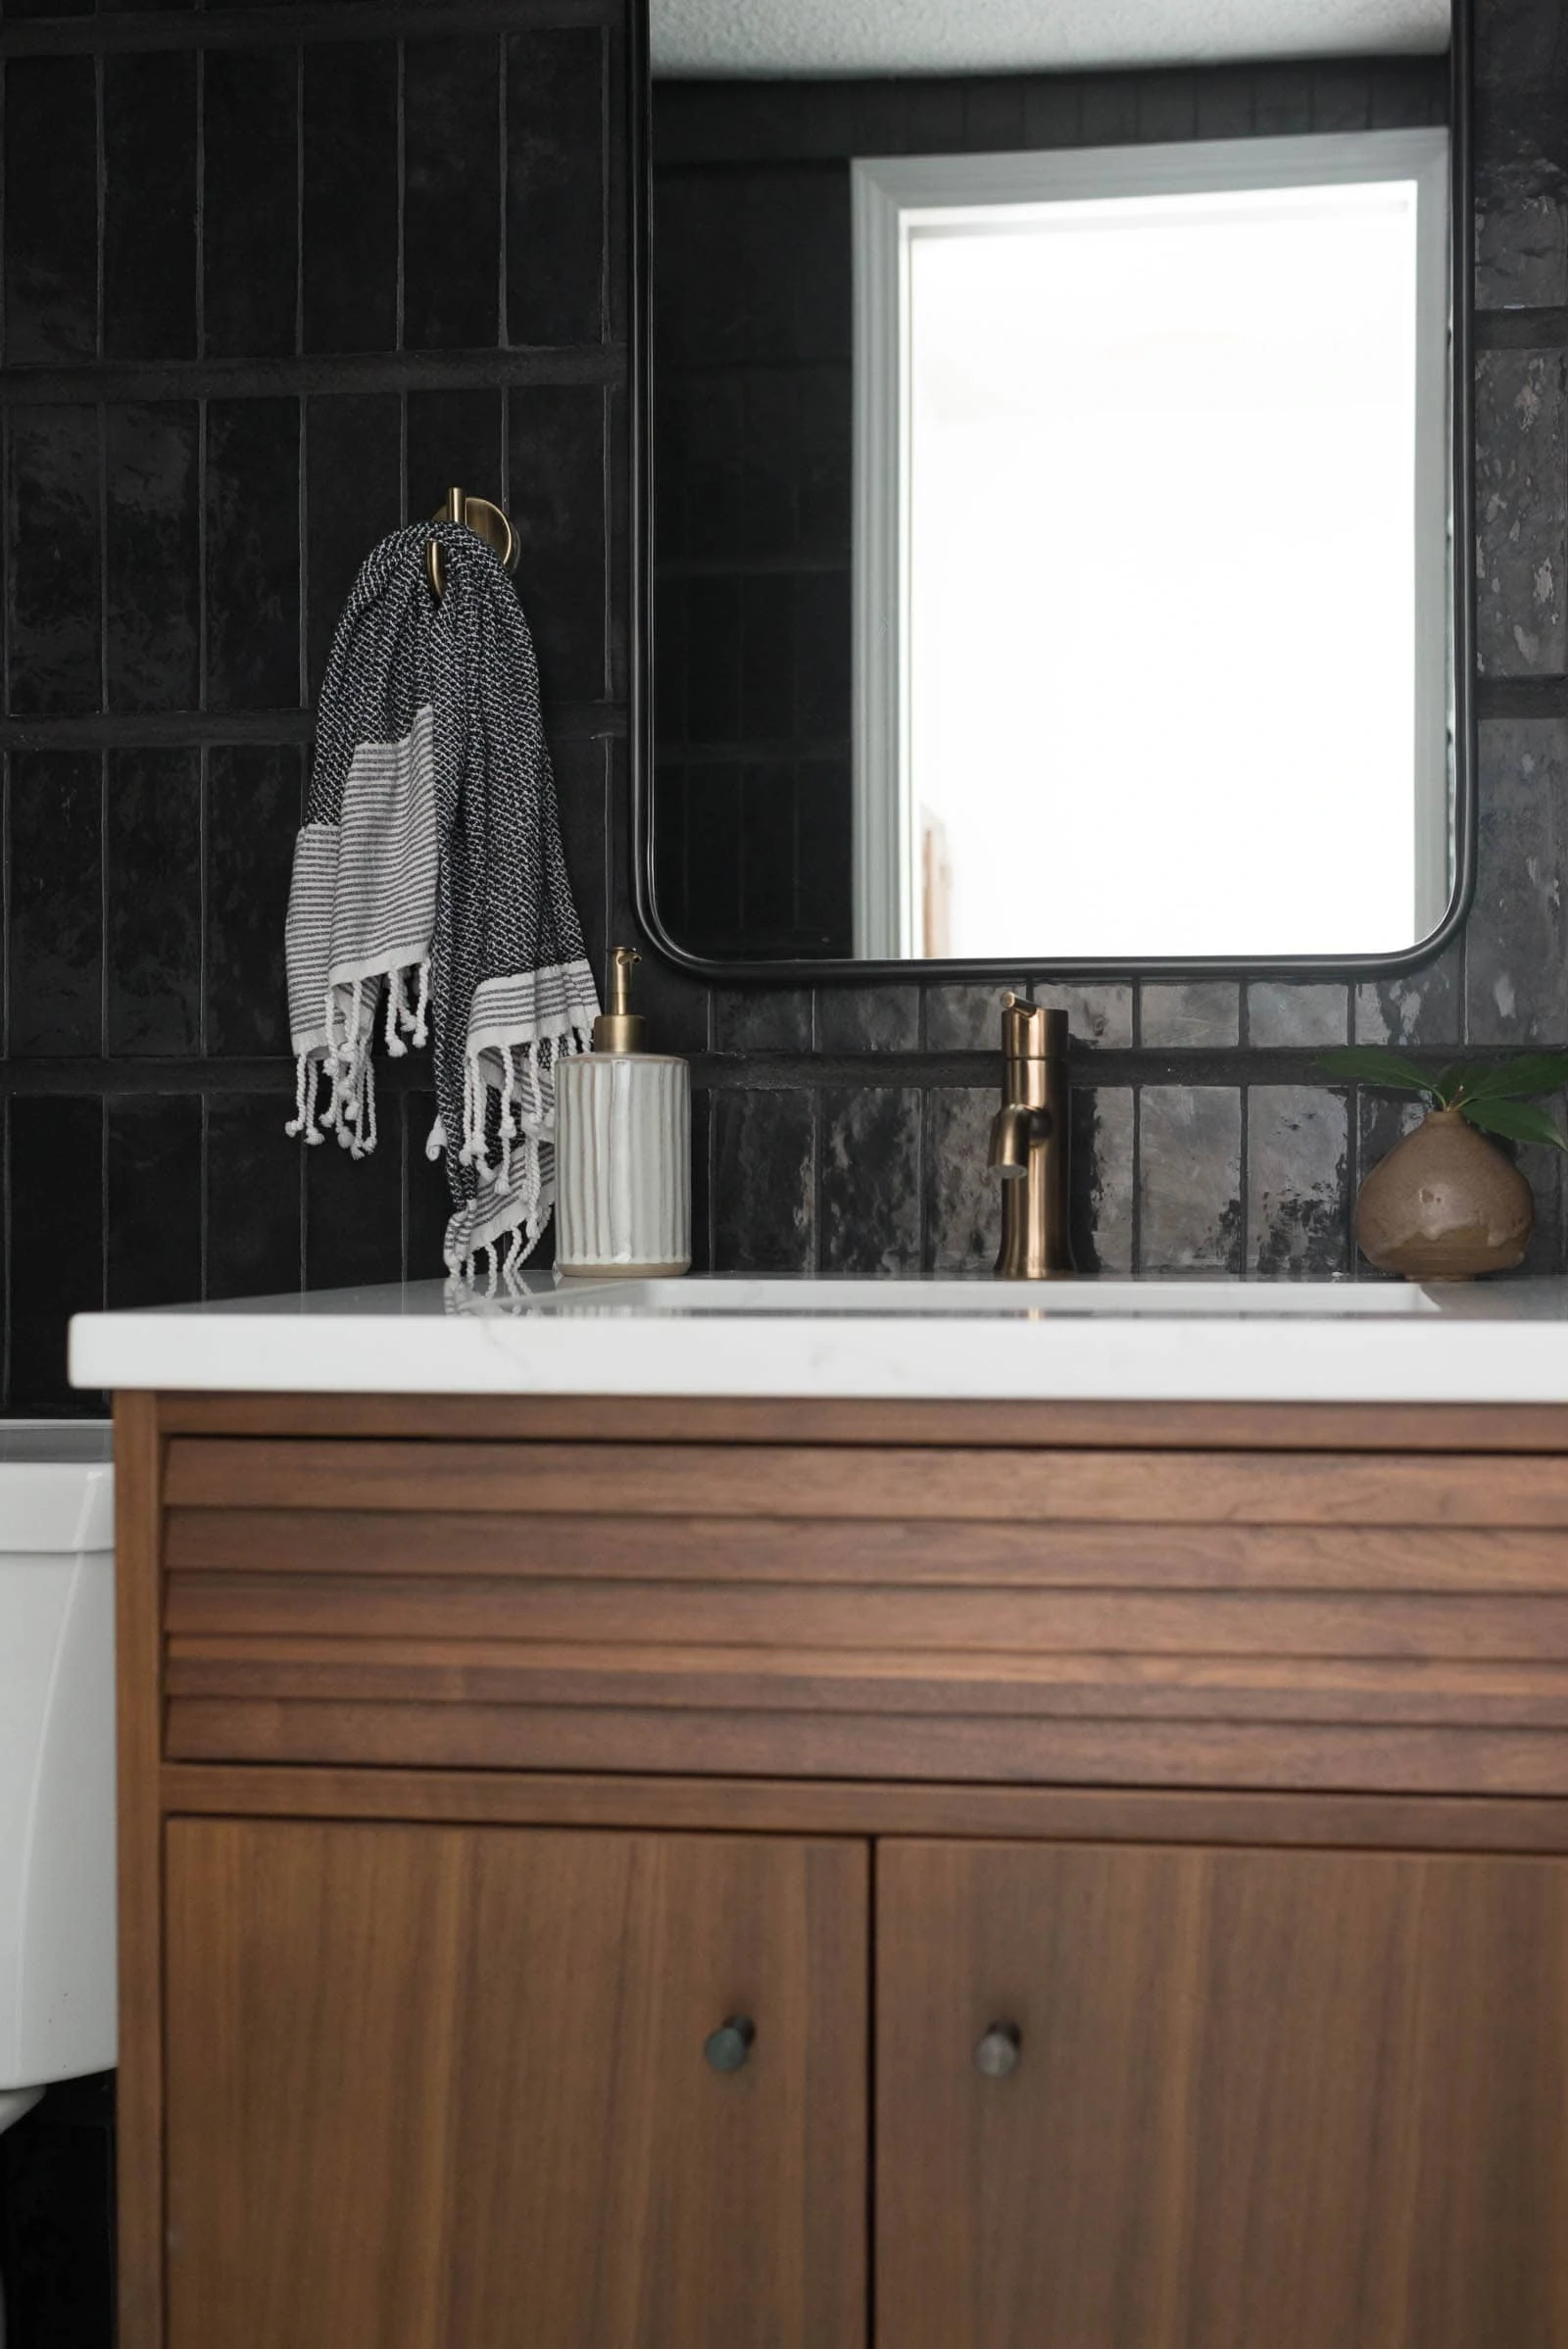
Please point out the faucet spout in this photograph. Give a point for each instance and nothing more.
(1029, 1143)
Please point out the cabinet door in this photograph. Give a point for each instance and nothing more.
(445, 2089)
(1311, 2099)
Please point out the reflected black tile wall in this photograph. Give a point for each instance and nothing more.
(288, 327)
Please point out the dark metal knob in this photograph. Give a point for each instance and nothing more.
(997, 2053)
(729, 2047)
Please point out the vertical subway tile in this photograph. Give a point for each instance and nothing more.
(150, 204)
(762, 1019)
(55, 938)
(1203, 1013)
(557, 477)
(1421, 1009)
(452, 203)
(52, 542)
(252, 813)
(153, 621)
(454, 438)
(1189, 1178)
(1293, 1012)
(1542, 1169)
(763, 1159)
(51, 210)
(353, 1211)
(1297, 1168)
(429, 1200)
(353, 456)
(1101, 1176)
(1517, 974)
(867, 1020)
(963, 1197)
(1521, 513)
(253, 584)
(154, 1204)
(350, 204)
(154, 851)
(250, 239)
(582, 796)
(555, 173)
(255, 1172)
(57, 1237)
(1521, 234)
(870, 1180)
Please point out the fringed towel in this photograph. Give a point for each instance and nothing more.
(429, 889)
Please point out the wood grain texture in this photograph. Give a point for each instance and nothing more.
(837, 1807)
(434, 2085)
(645, 1419)
(139, 2088)
(781, 1480)
(1312, 2098)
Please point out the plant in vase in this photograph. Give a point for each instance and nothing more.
(1446, 1203)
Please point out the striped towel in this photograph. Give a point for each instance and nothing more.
(430, 890)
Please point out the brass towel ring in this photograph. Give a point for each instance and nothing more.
(485, 520)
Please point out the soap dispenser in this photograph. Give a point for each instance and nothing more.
(623, 1148)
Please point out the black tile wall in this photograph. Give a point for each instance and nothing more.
(265, 293)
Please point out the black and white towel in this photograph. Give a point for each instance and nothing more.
(429, 889)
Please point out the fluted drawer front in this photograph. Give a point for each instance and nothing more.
(624, 1163)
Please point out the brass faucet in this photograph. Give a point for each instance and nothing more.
(1029, 1143)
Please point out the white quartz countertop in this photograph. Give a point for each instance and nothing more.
(1500, 1342)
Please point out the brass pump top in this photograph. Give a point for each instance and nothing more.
(620, 1029)
(1031, 1032)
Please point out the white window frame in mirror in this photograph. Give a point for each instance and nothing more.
(892, 200)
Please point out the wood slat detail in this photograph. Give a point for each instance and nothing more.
(1289, 1427)
(870, 1807)
(899, 1550)
(854, 1616)
(452, 1672)
(1005, 1750)
(1144, 1487)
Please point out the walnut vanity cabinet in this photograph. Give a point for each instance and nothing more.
(652, 1876)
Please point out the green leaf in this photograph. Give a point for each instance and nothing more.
(1516, 1122)
(1375, 1065)
(1520, 1080)
(1461, 1076)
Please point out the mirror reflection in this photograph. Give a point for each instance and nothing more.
(1053, 497)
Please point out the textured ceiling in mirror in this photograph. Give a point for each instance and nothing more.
(1011, 36)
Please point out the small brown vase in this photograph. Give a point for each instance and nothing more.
(1445, 1205)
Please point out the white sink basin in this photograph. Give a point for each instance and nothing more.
(1050, 1301)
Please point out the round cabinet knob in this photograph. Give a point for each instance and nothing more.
(729, 2047)
(997, 2053)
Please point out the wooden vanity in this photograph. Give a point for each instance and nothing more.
(679, 1874)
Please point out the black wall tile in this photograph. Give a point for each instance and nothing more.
(762, 1019)
(454, 439)
(1203, 1013)
(556, 487)
(963, 1210)
(1516, 945)
(452, 201)
(52, 562)
(255, 1185)
(763, 1162)
(1103, 1178)
(51, 210)
(56, 926)
(253, 530)
(153, 853)
(867, 1020)
(154, 1222)
(350, 258)
(1188, 1175)
(150, 204)
(1298, 1210)
(555, 169)
(870, 1180)
(154, 618)
(1287, 1012)
(354, 1208)
(253, 814)
(1521, 513)
(57, 1233)
(353, 482)
(583, 789)
(429, 1200)
(249, 203)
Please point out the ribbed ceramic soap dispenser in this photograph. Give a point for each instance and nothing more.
(623, 1148)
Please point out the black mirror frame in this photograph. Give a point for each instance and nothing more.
(849, 970)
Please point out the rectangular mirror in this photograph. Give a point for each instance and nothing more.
(1059, 491)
